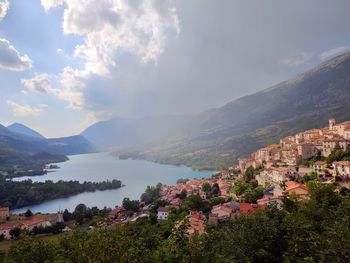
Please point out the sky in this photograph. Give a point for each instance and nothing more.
(66, 64)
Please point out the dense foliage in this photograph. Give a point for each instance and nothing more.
(315, 231)
(24, 193)
(26, 164)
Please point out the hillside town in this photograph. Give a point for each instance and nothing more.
(262, 179)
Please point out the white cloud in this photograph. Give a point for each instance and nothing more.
(48, 4)
(71, 82)
(4, 7)
(333, 52)
(10, 58)
(26, 110)
(298, 61)
(109, 28)
(41, 83)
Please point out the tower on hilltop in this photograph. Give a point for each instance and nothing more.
(332, 122)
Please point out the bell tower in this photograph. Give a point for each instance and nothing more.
(332, 122)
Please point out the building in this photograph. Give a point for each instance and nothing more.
(341, 169)
(294, 188)
(271, 201)
(196, 222)
(34, 222)
(246, 208)
(306, 150)
(4, 213)
(6, 228)
(319, 167)
(331, 144)
(163, 213)
(203, 195)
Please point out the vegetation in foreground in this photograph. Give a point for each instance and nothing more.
(25, 193)
(313, 231)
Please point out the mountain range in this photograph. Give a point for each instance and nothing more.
(218, 137)
(18, 138)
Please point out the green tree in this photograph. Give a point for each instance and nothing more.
(28, 213)
(80, 213)
(15, 233)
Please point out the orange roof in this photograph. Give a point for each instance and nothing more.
(250, 208)
(291, 185)
(4, 209)
(268, 198)
(32, 222)
(8, 226)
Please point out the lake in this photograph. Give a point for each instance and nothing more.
(96, 167)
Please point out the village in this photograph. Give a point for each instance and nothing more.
(255, 182)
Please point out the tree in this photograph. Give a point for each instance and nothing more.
(28, 213)
(151, 194)
(67, 216)
(249, 174)
(80, 213)
(131, 205)
(15, 233)
(194, 202)
(215, 190)
(206, 187)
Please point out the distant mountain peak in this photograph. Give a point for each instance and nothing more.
(24, 130)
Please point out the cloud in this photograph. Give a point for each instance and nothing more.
(4, 7)
(333, 52)
(10, 58)
(48, 4)
(41, 83)
(71, 84)
(110, 29)
(26, 110)
(298, 61)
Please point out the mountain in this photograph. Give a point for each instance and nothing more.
(120, 133)
(18, 142)
(22, 129)
(219, 136)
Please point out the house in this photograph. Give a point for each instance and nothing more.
(329, 145)
(203, 195)
(306, 150)
(319, 167)
(196, 222)
(176, 202)
(4, 213)
(271, 201)
(341, 169)
(163, 213)
(246, 208)
(6, 228)
(34, 222)
(117, 212)
(296, 189)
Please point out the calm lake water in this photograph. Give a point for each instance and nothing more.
(96, 167)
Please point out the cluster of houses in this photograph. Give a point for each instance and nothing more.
(292, 150)
(282, 161)
(7, 223)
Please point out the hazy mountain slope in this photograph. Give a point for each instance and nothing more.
(120, 132)
(219, 136)
(24, 130)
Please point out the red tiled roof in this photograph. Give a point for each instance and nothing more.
(7, 226)
(32, 222)
(163, 209)
(4, 209)
(250, 208)
(291, 185)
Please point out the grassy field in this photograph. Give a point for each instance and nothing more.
(6, 244)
